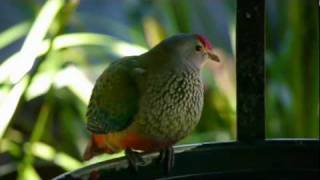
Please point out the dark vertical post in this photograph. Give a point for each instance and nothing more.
(318, 63)
(250, 70)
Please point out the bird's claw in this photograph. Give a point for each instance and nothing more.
(134, 159)
(167, 158)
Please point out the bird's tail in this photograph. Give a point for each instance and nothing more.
(97, 145)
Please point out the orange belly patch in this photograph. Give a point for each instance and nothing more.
(115, 142)
(138, 142)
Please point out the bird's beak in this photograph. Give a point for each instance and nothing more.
(212, 55)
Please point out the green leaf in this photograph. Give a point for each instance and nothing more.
(14, 33)
(76, 81)
(19, 64)
(24, 60)
(9, 103)
(12, 68)
(29, 173)
(116, 46)
(48, 153)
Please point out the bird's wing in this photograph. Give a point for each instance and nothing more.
(114, 100)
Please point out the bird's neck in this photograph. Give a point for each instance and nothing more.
(156, 60)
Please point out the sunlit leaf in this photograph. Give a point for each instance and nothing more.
(12, 66)
(43, 151)
(42, 80)
(29, 173)
(116, 46)
(9, 104)
(7, 145)
(39, 86)
(66, 162)
(76, 80)
(48, 153)
(153, 30)
(14, 33)
(23, 62)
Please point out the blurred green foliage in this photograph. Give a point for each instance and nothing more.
(292, 59)
(52, 51)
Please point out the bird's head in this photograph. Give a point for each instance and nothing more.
(188, 49)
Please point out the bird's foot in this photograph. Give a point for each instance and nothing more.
(134, 159)
(167, 158)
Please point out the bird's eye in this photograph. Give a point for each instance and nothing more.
(198, 47)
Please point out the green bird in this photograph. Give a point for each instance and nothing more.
(149, 102)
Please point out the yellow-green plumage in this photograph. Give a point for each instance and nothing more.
(114, 100)
(151, 101)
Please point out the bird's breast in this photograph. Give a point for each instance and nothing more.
(170, 106)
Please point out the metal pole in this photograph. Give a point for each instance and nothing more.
(250, 70)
